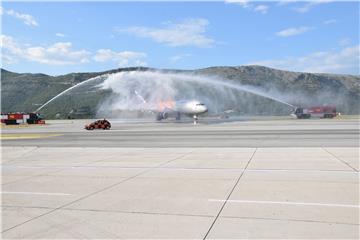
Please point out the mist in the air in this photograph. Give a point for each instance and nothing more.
(137, 93)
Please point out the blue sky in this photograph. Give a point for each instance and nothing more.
(62, 37)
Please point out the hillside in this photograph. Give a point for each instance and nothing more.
(26, 92)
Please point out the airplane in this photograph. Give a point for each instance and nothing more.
(170, 108)
(192, 108)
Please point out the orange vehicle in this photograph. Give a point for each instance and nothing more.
(99, 124)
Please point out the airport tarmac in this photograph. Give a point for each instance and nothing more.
(247, 132)
(253, 178)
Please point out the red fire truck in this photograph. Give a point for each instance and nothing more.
(21, 118)
(316, 112)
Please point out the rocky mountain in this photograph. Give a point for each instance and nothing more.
(25, 92)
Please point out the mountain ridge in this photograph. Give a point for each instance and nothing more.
(170, 69)
(27, 91)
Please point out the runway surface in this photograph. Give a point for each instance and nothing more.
(208, 133)
(254, 178)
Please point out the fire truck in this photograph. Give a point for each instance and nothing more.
(21, 118)
(316, 112)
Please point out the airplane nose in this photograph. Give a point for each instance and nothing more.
(200, 108)
(203, 109)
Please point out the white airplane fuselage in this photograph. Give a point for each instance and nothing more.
(191, 108)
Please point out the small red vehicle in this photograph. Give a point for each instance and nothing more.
(99, 124)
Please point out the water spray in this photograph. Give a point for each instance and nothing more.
(151, 87)
(138, 90)
(69, 89)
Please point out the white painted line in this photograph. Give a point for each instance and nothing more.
(301, 171)
(37, 193)
(287, 203)
(186, 169)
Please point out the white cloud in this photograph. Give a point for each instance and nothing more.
(179, 57)
(8, 44)
(285, 2)
(345, 42)
(293, 31)
(60, 35)
(329, 21)
(309, 5)
(345, 61)
(261, 8)
(246, 4)
(243, 3)
(60, 53)
(26, 18)
(123, 59)
(190, 32)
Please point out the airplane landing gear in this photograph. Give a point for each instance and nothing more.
(162, 115)
(178, 116)
(195, 119)
(159, 117)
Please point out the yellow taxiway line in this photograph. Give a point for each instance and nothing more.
(26, 136)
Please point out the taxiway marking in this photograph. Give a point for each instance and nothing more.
(37, 193)
(26, 136)
(287, 203)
